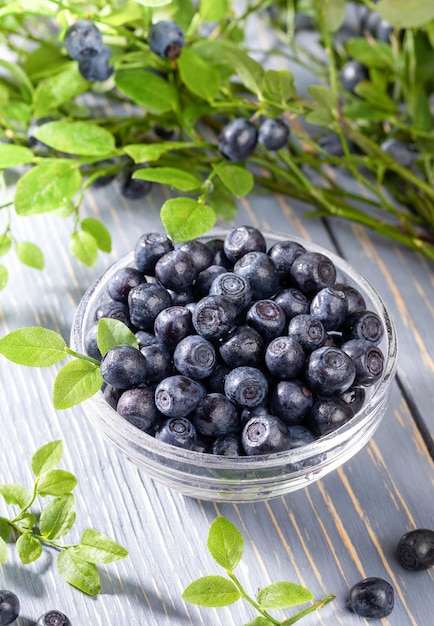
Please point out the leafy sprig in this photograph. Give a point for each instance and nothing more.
(226, 545)
(77, 562)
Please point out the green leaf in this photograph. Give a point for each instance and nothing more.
(84, 247)
(15, 494)
(47, 457)
(198, 76)
(112, 332)
(373, 95)
(96, 547)
(259, 621)
(153, 3)
(404, 14)
(29, 548)
(334, 14)
(58, 517)
(128, 12)
(33, 346)
(23, 80)
(171, 176)
(147, 89)
(323, 95)
(211, 591)
(283, 595)
(5, 529)
(222, 201)
(250, 72)
(186, 218)
(4, 275)
(12, 155)
(236, 178)
(78, 572)
(56, 90)
(49, 186)
(142, 153)
(56, 482)
(75, 382)
(5, 244)
(99, 232)
(320, 117)
(225, 543)
(365, 111)
(30, 254)
(3, 551)
(27, 520)
(213, 10)
(371, 52)
(80, 138)
(278, 85)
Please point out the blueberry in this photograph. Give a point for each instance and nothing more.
(177, 431)
(246, 386)
(159, 361)
(175, 270)
(327, 414)
(215, 415)
(368, 360)
(137, 406)
(313, 271)
(259, 269)
(403, 153)
(372, 598)
(285, 357)
(273, 134)
(133, 188)
(383, 31)
(330, 306)
(194, 356)
(292, 301)
(300, 435)
(363, 325)
(355, 397)
(146, 338)
(172, 324)
(124, 367)
(177, 396)
(145, 302)
(216, 382)
(352, 73)
(329, 371)
(218, 249)
(97, 68)
(205, 278)
(91, 342)
(370, 21)
(227, 445)
(267, 318)
(245, 346)
(82, 40)
(307, 330)
(291, 400)
(264, 434)
(114, 310)
(166, 38)
(9, 607)
(112, 395)
(214, 316)
(53, 618)
(284, 254)
(201, 255)
(149, 248)
(122, 281)
(355, 300)
(185, 297)
(235, 288)
(415, 549)
(241, 240)
(237, 140)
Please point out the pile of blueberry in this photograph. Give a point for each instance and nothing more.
(10, 610)
(242, 350)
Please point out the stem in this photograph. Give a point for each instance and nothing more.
(250, 600)
(310, 609)
(83, 357)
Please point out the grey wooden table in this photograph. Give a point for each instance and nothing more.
(327, 536)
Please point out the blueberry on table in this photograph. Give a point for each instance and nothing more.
(246, 386)
(166, 39)
(175, 270)
(329, 371)
(313, 271)
(372, 598)
(195, 356)
(97, 68)
(148, 249)
(53, 618)
(238, 139)
(214, 316)
(83, 40)
(137, 406)
(261, 273)
(216, 415)
(291, 400)
(415, 550)
(177, 431)
(241, 240)
(178, 396)
(273, 134)
(327, 414)
(264, 434)
(124, 367)
(172, 324)
(352, 73)
(9, 607)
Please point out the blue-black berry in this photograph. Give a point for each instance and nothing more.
(415, 549)
(83, 40)
(166, 38)
(372, 598)
(273, 134)
(53, 618)
(9, 607)
(238, 139)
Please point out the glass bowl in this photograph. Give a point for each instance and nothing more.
(248, 478)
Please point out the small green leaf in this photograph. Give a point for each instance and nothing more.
(12, 155)
(33, 346)
(213, 10)
(259, 621)
(171, 176)
(225, 543)
(27, 520)
(143, 153)
(211, 591)
(249, 71)
(58, 89)
(403, 14)
(334, 13)
(56, 482)
(113, 333)
(47, 457)
(278, 85)
(99, 232)
(30, 254)
(323, 95)
(222, 201)
(236, 178)
(283, 595)
(29, 548)
(198, 76)
(5, 244)
(371, 52)
(153, 3)
(365, 111)
(84, 247)
(3, 551)
(25, 83)
(15, 494)
(58, 517)
(320, 117)
(186, 218)
(4, 275)
(96, 547)
(5, 529)
(49, 186)
(80, 138)
(75, 382)
(78, 572)
(147, 89)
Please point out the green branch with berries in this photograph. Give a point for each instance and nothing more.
(76, 563)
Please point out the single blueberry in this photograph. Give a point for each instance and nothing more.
(352, 73)
(285, 357)
(284, 254)
(195, 356)
(82, 40)
(246, 386)
(201, 255)
(245, 346)
(172, 324)
(300, 436)
(330, 306)
(265, 434)
(241, 240)
(329, 371)
(327, 414)
(145, 302)
(355, 397)
(177, 431)
(266, 317)
(216, 382)
(91, 342)
(237, 140)
(415, 549)
(159, 359)
(292, 301)
(205, 278)
(9, 607)
(216, 415)
(291, 400)
(112, 395)
(214, 316)
(368, 360)
(235, 288)
(122, 281)
(273, 134)
(133, 188)
(363, 325)
(313, 271)
(308, 331)
(218, 249)
(175, 270)
(148, 249)
(53, 618)
(137, 406)
(124, 367)
(166, 38)
(261, 273)
(372, 598)
(178, 396)
(97, 68)
(113, 310)
(355, 300)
